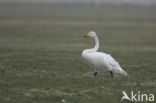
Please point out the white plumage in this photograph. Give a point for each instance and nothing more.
(101, 62)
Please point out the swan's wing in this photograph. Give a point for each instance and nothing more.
(96, 60)
(111, 61)
(113, 65)
(104, 62)
(100, 59)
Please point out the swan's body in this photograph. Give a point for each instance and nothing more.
(101, 62)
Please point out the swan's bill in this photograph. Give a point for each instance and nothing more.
(87, 36)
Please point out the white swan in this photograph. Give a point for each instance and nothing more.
(101, 62)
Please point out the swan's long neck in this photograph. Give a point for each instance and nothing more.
(96, 47)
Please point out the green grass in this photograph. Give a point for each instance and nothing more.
(41, 62)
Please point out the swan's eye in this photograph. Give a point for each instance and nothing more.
(88, 35)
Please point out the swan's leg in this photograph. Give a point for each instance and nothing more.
(111, 73)
(95, 73)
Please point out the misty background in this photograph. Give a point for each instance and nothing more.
(116, 2)
(88, 10)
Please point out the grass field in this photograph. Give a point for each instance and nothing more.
(40, 53)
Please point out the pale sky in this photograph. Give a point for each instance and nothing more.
(148, 2)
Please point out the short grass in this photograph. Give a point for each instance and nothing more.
(42, 63)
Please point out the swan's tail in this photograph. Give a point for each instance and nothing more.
(119, 70)
(123, 72)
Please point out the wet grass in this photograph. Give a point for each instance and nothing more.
(41, 63)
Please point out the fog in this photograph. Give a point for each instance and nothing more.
(117, 2)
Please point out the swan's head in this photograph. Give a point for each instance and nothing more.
(90, 34)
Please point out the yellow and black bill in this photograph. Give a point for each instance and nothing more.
(87, 36)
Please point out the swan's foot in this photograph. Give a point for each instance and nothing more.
(111, 73)
(95, 73)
